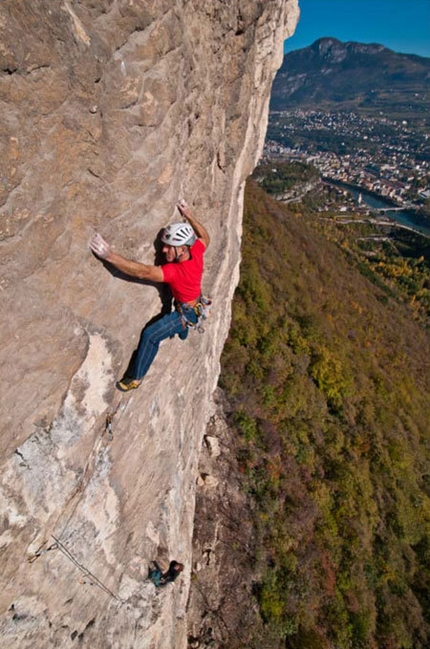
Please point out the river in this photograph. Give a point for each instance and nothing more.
(404, 217)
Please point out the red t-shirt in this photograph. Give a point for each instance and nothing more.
(184, 277)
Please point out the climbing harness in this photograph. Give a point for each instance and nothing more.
(202, 310)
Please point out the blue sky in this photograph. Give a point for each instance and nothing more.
(400, 25)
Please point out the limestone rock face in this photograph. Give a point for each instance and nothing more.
(110, 112)
(222, 610)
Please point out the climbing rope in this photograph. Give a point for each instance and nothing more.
(79, 489)
(92, 578)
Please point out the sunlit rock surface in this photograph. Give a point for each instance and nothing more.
(110, 112)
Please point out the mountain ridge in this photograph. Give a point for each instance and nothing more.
(330, 73)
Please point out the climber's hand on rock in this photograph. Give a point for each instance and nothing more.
(100, 247)
(183, 208)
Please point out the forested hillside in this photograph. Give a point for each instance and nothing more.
(327, 376)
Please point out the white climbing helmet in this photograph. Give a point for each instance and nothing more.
(178, 234)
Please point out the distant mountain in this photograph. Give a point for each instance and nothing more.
(331, 74)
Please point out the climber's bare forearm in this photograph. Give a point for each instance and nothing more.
(198, 228)
(134, 268)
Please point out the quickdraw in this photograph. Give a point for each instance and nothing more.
(32, 558)
(202, 310)
(108, 422)
(108, 425)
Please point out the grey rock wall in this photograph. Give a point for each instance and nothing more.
(110, 111)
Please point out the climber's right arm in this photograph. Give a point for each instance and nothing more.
(198, 228)
(103, 250)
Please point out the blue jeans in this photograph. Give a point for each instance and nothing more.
(151, 337)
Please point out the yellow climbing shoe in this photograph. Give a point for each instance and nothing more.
(127, 384)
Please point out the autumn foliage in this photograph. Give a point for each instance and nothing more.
(328, 379)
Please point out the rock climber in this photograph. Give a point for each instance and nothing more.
(160, 578)
(184, 245)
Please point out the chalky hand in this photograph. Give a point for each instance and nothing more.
(183, 208)
(100, 247)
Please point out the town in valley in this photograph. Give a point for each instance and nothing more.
(386, 156)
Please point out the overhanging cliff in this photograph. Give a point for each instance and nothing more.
(111, 111)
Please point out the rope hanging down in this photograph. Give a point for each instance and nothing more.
(58, 545)
(93, 579)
